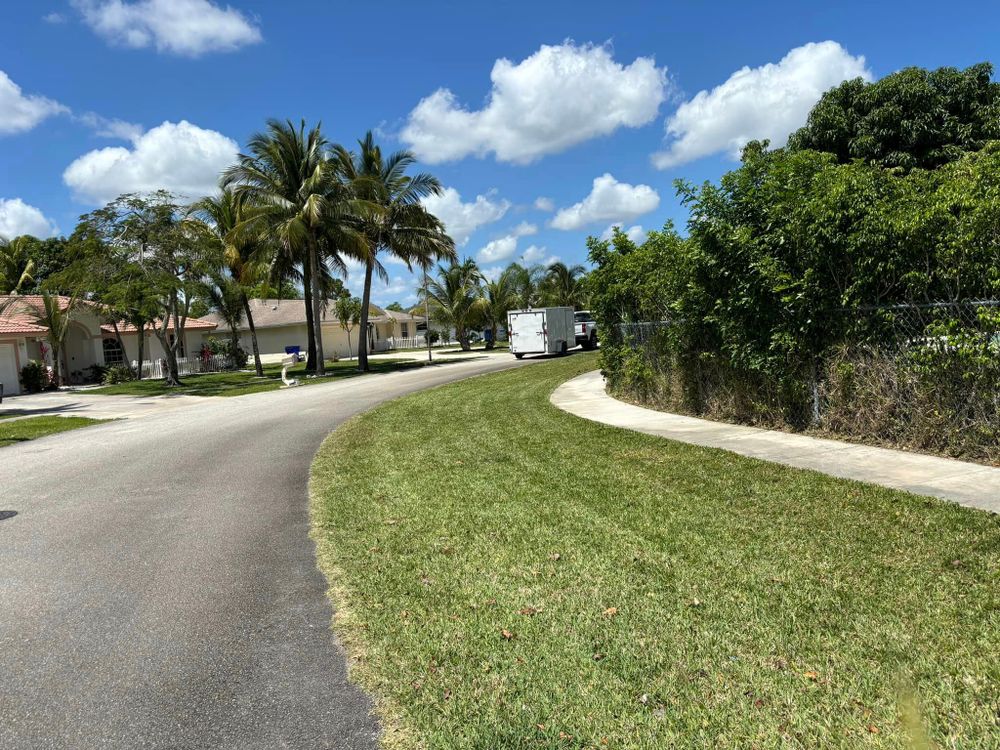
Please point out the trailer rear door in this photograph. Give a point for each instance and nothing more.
(529, 331)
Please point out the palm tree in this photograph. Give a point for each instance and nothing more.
(290, 190)
(16, 268)
(348, 311)
(225, 296)
(497, 298)
(454, 298)
(245, 256)
(565, 285)
(53, 312)
(396, 222)
(527, 285)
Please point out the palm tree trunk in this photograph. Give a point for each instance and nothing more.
(493, 336)
(253, 337)
(307, 294)
(365, 302)
(316, 301)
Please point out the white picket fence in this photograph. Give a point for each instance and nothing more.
(157, 369)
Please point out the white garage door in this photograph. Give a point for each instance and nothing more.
(8, 370)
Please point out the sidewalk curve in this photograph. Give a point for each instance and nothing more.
(972, 485)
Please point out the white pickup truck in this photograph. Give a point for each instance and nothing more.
(586, 329)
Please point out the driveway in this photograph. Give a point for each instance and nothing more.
(158, 587)
(71, 403)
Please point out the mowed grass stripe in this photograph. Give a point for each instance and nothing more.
(17, 431)
(508, 575)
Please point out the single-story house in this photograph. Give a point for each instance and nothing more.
(281, 323)
(89, 341)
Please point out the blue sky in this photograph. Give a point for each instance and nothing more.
(597, 110)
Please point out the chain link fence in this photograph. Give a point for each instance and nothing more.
(920, 376)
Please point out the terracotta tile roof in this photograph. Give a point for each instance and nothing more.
(16, 314)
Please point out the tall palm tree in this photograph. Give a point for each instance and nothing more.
(454, 298)
(564, 285)
(397, 222)
(16, 268)
(245, 257)
(497, 298)
(225, 296)
(290, 190)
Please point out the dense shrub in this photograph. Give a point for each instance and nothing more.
(235, 354)
(35, 377)
(118, 374)
(787, 302)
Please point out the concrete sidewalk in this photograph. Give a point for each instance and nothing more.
(972, 485)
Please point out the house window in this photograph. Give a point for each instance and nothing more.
(113, 354)
(406, 330)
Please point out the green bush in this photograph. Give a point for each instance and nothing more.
(234, 353)
(118, 374)
(35, 377)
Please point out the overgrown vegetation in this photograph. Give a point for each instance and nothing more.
(815, 288)
(554, 583)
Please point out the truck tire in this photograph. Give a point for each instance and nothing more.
(592, 343)
(562, 348)
(518, 356)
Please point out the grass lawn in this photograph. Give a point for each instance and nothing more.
(240, 383)
(20, 430)
(512, 576)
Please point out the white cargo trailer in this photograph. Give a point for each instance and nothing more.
(543, 330)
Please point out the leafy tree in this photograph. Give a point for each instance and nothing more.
(348, 311)
(163, 258)
(395, 307)
(914, 118)
(283, 289)
(394, 220)
(454, 298)
(16, 266)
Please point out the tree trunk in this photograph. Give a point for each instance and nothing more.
(253, 337)
(307, 295)
(463, 338)
(141, 335)
(121, 345)
(57, 363)
(349, 349)
(493, 336)
(366, 300)
(317, 301)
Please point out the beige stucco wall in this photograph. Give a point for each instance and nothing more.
(335, 338)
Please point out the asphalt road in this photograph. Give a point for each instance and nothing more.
(158, 587)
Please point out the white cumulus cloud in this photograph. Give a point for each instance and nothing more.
(462, 219)
(556, 98)
(20, 112)
(755, 103)
(544, 204)
(635, 233)
(525, 229)
(538, 255)
(179, 157)
(17, 218)
(181, 27)
(498, 249)
(609, 200)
